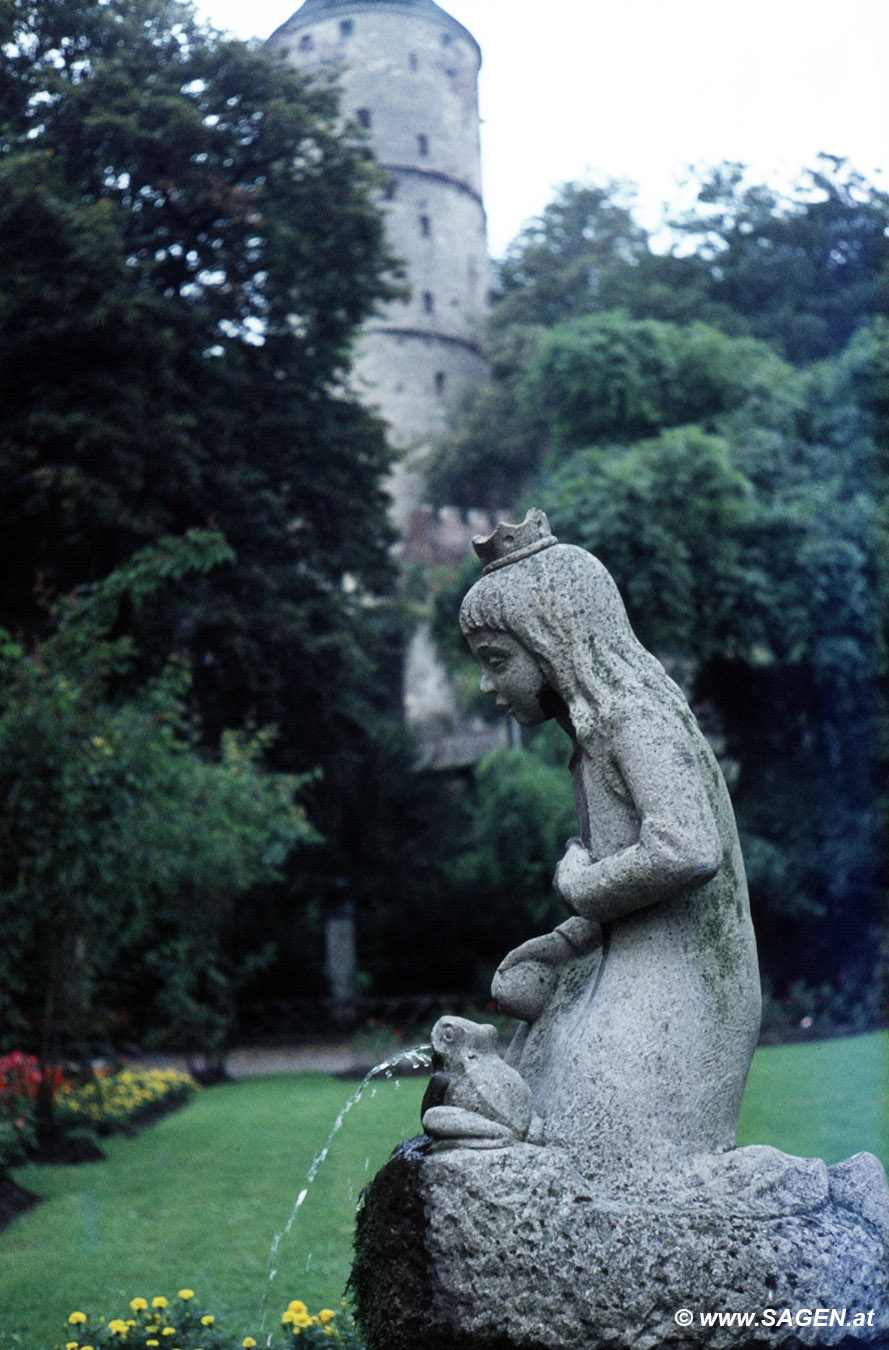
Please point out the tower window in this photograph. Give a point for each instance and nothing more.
(306, 42)
(428, 302)
(426, 226)
(390, 188)
(439, 382)
(422, 144)
(347, 27)
(364, 118)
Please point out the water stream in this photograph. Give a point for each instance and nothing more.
(417, 1057)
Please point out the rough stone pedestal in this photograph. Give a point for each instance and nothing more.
(513, 1249)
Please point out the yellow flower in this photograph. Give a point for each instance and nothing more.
(72, 1345)
(297, 1306)
(77, 1319)
(287, 1318)
(207, 1320)
(159, 1303)
(326, 1315)
(169, 1331)
(118, 1326)
(248, 1343)
(186, 1294)
(152, 1342)
(138, 1304)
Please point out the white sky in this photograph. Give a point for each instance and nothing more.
(644, 89)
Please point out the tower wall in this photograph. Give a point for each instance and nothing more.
(409, 74)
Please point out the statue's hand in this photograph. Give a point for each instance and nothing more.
(572, 878)
(551, 948)
(526, 977)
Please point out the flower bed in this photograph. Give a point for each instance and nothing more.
(183, 1325)
(112, 1102)
(104, 1103)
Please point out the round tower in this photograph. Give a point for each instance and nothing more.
(409, 75)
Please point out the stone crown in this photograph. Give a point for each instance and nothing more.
(510, 543)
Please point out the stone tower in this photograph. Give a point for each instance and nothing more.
(409, 75)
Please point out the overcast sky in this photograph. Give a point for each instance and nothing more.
(643, 89)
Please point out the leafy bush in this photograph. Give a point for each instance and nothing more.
(16, 1137)
(182, 1325)
(115, 1101)
(120, 833)
(19, 1082)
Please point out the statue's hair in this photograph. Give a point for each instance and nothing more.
(565, 609)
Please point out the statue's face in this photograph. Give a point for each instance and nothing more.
(510, 672)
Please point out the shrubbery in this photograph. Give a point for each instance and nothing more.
(19, 1082)
(125, 844)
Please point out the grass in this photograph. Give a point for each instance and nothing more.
(197, 1199)
(823, 1099)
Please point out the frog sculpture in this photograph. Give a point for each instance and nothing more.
(474, 1099)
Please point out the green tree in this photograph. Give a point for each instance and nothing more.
(800, 270)
(189, 243)
(712, 422)
(456, 910)
(599, 378)
(669, 517)
(496, 438)
(115, 828)
(749, 553)
(803, 270)
(587, 254)
(611, 377)
(574, 259)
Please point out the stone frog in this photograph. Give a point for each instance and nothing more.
(474, 1099)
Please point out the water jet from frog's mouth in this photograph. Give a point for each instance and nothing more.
(417, 1057)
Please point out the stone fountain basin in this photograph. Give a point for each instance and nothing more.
(513, 1249)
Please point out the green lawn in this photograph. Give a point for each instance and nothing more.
(197, 1199)
(825, 1099)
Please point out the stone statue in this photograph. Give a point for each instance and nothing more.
(644, 1036)
(587, 1192)
(473, 1098)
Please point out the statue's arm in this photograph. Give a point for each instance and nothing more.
(678, 848)
(568, 939)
